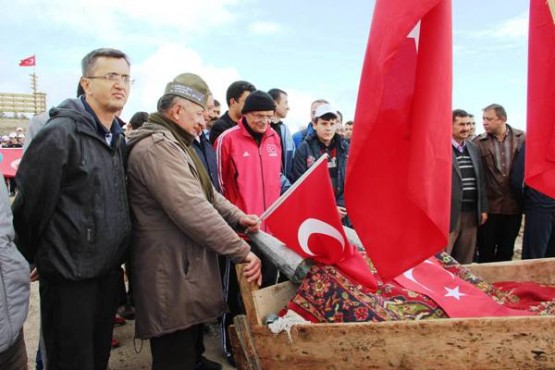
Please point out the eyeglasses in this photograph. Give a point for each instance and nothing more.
(114, 77)
(262, 117)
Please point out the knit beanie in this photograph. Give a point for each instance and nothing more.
(258, 101)
(189, 86)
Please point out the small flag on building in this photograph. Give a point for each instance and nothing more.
(28, 62)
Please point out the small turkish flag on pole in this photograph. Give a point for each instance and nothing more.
(306, 220)
(28, 62)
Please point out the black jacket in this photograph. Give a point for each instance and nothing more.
(207, 155)
(223, 123)
(457, 187)
(309, 151)
(529, 198)
(71, 214)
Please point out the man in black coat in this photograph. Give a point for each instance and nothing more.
(71, 215)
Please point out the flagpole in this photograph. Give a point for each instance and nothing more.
(34, 83)
(551, 4)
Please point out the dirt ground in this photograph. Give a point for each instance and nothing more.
(131, 355)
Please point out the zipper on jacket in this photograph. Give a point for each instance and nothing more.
(262, 171)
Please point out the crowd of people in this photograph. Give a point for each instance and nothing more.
(15, 139)
(176, 193)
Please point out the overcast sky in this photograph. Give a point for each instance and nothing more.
(309, 49)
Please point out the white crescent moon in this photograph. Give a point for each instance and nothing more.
(408, 274)
(15, 163)
(314, 226)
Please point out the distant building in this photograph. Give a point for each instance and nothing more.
(22, 103)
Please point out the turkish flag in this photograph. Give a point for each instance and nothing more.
(455, 296)
(540, 127)
(398, 182)
(9, 160)
(27, 62)
(306, 220)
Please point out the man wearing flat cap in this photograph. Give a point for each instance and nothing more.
(180, 225)
(249, 169)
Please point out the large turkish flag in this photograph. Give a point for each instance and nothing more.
(540, 127)
(398, 184)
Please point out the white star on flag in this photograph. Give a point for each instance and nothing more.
(454, 293)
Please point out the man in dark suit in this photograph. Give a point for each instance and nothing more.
(468, 195)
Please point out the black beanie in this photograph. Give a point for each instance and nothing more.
(258, 101)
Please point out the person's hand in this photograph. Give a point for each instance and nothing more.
(34, 275)
(253, 268)
(342, 211)
(251, 223)
(483, 218)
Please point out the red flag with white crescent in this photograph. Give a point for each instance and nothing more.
(9, 160)
(306, 220)
(455, 296)
(398, 181)
(540, 127)
(28, 62)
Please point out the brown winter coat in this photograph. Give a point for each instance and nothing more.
(501, 198)
(177, 236)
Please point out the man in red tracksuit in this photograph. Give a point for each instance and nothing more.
(249, 157)
(249, 170)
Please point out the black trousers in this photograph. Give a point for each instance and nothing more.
(232, 292)
(77, 321)
(496, 238)
(175, 351)
(539, 234)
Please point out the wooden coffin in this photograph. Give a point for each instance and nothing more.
(477, 343)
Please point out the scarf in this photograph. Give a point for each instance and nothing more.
(184, 140)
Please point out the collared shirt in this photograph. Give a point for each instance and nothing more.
(503, 152)
(103, 132)
(456, 145)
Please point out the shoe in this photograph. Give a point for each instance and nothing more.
(118, 320)
(115, 343)
(206, 364)
(127, 312)
(230, 359)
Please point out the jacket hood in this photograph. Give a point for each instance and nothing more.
(146, 130)
(72, 108)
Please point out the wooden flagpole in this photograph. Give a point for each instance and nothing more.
(551, 4)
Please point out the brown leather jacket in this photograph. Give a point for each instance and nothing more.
(176, 236)
(501, 199)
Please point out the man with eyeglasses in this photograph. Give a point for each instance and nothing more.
(71, 215)
(249, 170)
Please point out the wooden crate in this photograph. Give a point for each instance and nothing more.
(477, 343)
